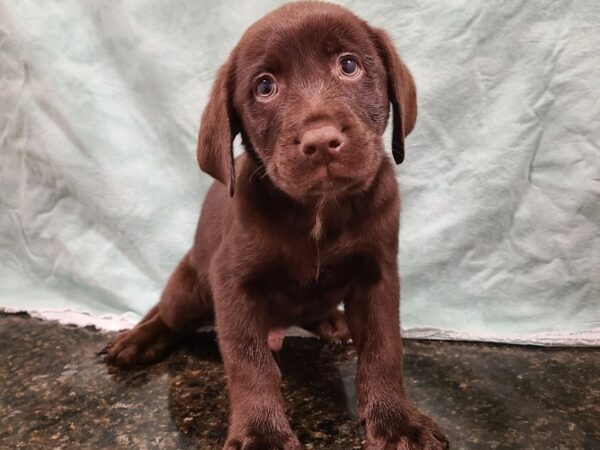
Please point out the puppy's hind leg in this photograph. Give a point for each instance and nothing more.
(184, 305)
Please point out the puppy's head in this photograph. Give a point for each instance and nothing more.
(309, 87)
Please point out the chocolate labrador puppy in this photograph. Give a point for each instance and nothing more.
(305, 219)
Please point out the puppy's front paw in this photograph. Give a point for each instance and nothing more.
(250, 440)
(402, 427)
(260, 425)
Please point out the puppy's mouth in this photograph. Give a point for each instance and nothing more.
(331, 178)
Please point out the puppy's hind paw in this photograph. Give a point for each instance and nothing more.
(147, 343)
(333, 329)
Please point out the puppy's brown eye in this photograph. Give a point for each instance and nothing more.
(266, 87)
(348, 66)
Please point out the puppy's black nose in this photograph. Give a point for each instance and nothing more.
(322, 143)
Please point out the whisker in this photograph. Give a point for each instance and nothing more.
(260, 166)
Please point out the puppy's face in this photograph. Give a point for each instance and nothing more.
(311, 93)
(309, 88)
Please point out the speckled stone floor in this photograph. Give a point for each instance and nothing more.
(55, 393)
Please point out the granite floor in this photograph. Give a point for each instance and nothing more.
(56, 393)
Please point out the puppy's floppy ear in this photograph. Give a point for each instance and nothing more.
(218, 127)
(402, 92)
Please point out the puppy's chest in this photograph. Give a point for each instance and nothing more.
(290, 282)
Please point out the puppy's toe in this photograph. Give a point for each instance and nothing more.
(258, 442)
(113, 350)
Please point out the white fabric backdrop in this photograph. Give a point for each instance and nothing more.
(100, 191)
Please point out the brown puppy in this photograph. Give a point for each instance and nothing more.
(305, 219)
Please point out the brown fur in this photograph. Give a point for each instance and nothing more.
(308, 219)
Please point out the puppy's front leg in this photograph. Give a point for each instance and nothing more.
(391, 419)
(257, 416)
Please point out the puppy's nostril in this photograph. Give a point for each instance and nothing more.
(310, 149)
(334, 143)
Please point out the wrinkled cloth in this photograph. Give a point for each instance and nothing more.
(500, 228)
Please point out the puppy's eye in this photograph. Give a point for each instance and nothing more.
(265, 87)
(349, 66)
